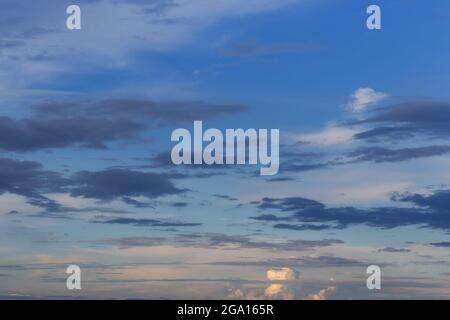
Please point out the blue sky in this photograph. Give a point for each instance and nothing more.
(85, 125)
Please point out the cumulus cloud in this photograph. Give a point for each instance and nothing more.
(281, 274)
(364, 97)
(279, 292)
(322, 294)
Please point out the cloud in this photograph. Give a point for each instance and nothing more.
(329, 136)
(32, 134)
(394, 250)
(252, 48)
(432, 212)
(92, 125)
(29, 179)
(281, 274)
(162, 113)
(289, 204)
(438, 200)
(242, 241)
(280, 179)
(302, 227)
(112, 184)
(422, 118)
(146, 222)
(127, 242)
(322, 294)
(279, 292)
(364, 97)
(172, 24)
(226, 197)
(379, 154)
(269, 217)
(179, 204)
(300, 262)
(441, 244)
(326, 262)
(136, 203)
(274, 291)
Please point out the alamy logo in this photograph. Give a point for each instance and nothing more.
(74, 20)
(74, 280)
(374, 20)
(241, 147)
(374, 280)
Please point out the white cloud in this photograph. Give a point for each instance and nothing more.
(329, 136)
(363, 97)
(281, 274)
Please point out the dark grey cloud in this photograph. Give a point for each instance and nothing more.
(438, 200)
(279, 179)
(135, 203)
(302, 227)
(113, 184)
(289, 204)
(31, 180)
(270, 217)
(226, 197)
(430, 211)
(292, 161)
(378, 154)
(372, 154)
(93, 125)
(441, 244)
(424, 117)
(253, 48)
(179, 204)
(146, 222)
(32, 134)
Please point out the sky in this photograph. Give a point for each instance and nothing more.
(86, 177)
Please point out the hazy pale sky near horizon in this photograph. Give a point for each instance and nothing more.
(86, 178)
